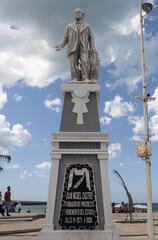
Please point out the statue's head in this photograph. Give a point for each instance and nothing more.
(78, 14)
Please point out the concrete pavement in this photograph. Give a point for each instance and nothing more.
(26, 227)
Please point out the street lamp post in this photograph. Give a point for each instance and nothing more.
(147, 7)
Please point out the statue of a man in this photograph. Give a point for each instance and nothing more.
(84, 61)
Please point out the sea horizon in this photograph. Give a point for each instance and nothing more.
(41, 208)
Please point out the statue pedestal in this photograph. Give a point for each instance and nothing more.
(79, 203)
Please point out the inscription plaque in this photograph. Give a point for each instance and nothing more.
(78, 206)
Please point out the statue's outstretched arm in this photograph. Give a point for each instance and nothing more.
(64, 40)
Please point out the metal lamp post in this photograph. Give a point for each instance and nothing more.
(144, 149)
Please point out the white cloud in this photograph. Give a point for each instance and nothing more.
(3, 97)
(52, 103)
(128, 54)
(153, 105)
(138, 128)
(44, 165)
(112, 53)
(35, 61)
(138, 123)
(3, 151)
(153, 124)
(131, 81)
(121, 164)
(15, 136)
(125, 55)
(14, 166)
(114, 150)
(153, 117)
(25, 175)
(136, 138)
(43, 169)
(30, 40)
(128, 25)
(17, 98)
(56, 109)
(105, 120)
(118, 108)
(42, 175)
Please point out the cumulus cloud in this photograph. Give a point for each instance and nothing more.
(42, 169)
(118, 108)
(17, 97)
(128, 26)
(51, 104)
(136, 138)
(25, 175)
(3, 151)
(34, 62)
(138, 129)
(114, 150)
(14, 166)
(105, 120)
(153, 105)
(31, 36)
(41, 174)
(153, 124)
(3, 97)
(15, 136)
(44, 165)
(138, 123)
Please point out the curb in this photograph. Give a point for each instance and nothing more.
(20, 231)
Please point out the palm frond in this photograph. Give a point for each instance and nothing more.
(1, 169)
(130, 200)
(5, 157)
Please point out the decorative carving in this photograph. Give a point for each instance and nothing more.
(80, 98)
(80, 106)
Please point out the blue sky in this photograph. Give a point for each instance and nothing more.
(31, 74)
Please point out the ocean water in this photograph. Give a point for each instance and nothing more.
(41, 208)
(33, 208)
(155, 207)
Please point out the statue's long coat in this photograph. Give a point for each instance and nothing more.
(71, 37)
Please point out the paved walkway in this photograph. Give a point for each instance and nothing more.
(26, 227)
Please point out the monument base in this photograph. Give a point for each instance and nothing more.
(79, 202)
(78, 235)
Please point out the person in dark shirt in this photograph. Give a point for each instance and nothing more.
(7, 199)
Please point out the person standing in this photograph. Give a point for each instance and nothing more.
(18, 207)
(1, 204)
(122, 207)
(113, 207)
(7, 199)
